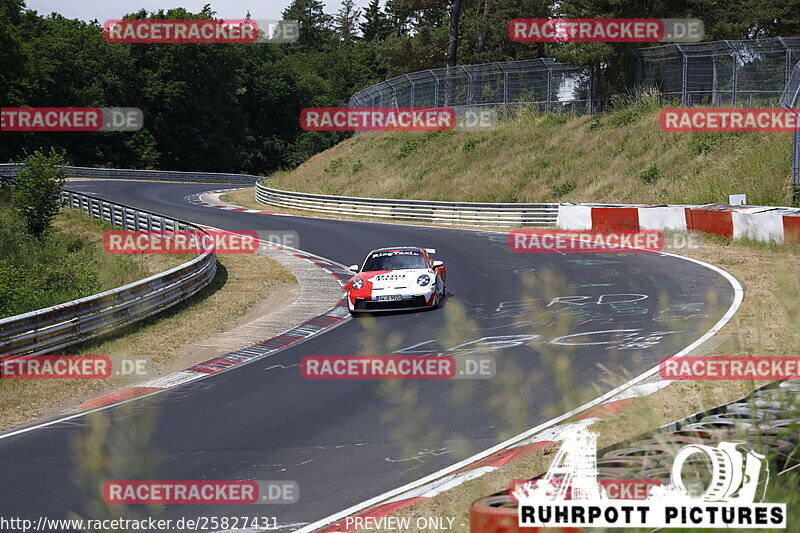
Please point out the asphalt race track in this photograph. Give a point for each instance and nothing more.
(345, 441)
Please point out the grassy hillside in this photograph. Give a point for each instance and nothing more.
(614, 157)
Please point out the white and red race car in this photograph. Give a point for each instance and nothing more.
(399, 278)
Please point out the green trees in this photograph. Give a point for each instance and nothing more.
(37, 190)
(234, 108)
(12, 56)
(346, 22)
(315, 24)
(39, 266)
(376, 25)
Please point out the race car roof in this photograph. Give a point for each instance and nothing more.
(399, 248)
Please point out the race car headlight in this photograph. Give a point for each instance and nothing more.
(357, 283)
(423, 280)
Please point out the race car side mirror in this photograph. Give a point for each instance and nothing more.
(437, 264)
(353, 269)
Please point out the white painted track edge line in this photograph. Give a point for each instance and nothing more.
(738, 296)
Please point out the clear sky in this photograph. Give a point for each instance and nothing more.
(103, 10)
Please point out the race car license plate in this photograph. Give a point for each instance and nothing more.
(392, 298)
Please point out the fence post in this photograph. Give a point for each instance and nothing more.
(411, 91)
(788, 70)
(436, 88)
(469, 83)
(505, 85)
(549, 101)
(796, 165)
(637, 81)
(684, 76)
(393, 93)
(734, 73)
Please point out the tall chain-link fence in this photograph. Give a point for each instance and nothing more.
(720, 73)
(743, 73)
(791, 100)
(544, 84)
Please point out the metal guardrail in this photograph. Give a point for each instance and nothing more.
(9, 171)
(460, 213)
(54, 328)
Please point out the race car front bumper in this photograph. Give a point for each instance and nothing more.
(406, 303)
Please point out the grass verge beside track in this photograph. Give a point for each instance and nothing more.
(242, 281)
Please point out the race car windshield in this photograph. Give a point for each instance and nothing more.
(394, 261)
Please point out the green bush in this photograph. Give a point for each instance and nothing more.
(555, 119)
(563, 189)
(470, 145)
(37, 190)
(651, 175)
(703, 142)
(410, 144)
(334, 166)
(38, 272)
(632, 106)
